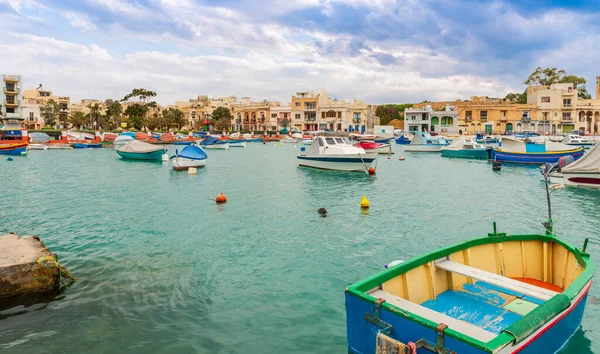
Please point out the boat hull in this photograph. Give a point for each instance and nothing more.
(17, 149)
(38, 147)
(467, 153)
(59, 146)
(353, 163)
(424, 148)
(185, 142)
(533, 158)
(386, 149)
(216, 146)
(146, 156)
(579, 179)
(236, 144)
(182, 163)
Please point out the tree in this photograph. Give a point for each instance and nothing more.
(221, 119)
(93, 116)
(136, 113)
(49, 112)
(173, 116)
(549, 76)
(77, 119)
(221, 112)
(388, 112)
(517, 97)
(113, 111)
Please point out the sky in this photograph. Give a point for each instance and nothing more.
(379, 51)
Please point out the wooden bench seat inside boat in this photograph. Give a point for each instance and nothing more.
(495, 279)
(434, 316)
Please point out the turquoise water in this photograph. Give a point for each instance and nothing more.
(163, 269)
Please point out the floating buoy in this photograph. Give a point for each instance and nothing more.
(322, 212)
(402, 158)
(9, 159)
(389, 157)
(371, 170)
(364, 202)
(221, 198)
(280, 143)
(303, 149)
(192, 170)
(496, 166)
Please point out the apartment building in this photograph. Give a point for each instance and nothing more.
(426, 119)
(11, 98)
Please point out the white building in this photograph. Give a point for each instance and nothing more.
(428, 120)
(31, 114)
(11, 96)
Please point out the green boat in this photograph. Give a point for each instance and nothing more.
(139, 150)
(466, 148)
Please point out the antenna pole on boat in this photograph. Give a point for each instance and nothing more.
(545, 172)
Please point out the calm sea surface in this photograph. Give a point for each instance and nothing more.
(163, 269)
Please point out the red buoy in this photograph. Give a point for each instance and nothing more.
(371, 170)
(221, 198)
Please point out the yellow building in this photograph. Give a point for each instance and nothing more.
(11, 114)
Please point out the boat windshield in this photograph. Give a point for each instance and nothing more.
(330, 141)
(339, 140)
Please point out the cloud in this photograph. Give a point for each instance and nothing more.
(376, 50)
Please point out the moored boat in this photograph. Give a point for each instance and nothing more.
(372, 146)
(38, 138)
(517, 151)
(13, 149)
(213, 143)
(237, 143)
(584, 172)
(576, 140)
(190, 156)
(404, 139)
(332, 153)
(122, 140)
(139, 150)
(466, 148)
(424, 142)
(38, 146)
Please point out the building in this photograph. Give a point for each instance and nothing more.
(281, 117)
(31, 113)
(495, 116)
(304, 111)
(39, 97)
(11, 98)
(426, 119)
(250, 116)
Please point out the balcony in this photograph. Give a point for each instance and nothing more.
(483, 119)
(12, 103)
(525, 119)
(310, 119)
(567, 105)
(11, 90)
(503, 120)
(12, 78)
(567, 120)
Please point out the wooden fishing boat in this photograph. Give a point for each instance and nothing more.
(498, 294)
(517, 151)
(584, 172)
(13, 149)
(139, 150)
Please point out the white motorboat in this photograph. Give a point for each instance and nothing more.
(190, 156)
(424, 142)
(288, 140)
(38, 147)
(332, 153)
(308, 141)
(577, 140)
(237, 143)
(62, 146)
(584, 172)
(121, 141)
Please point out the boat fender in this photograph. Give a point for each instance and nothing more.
(165, 158)
(221, 198)
(393, 263)
(566, 160)
(371, 170)
(364, 202)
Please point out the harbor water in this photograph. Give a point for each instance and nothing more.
(163, 269)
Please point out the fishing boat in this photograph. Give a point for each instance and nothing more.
(139, 150)
(382, 140)
(38, 146)
(213, 143)
(13, 149)
(424, 142)
(122, 140)
(497, 294)
(487, 139)
(237, 143)
(517, 151)
(404, 139)
(39, 138)
(58, 145)
(577, 140)
(373, 146)
(190, 156)
(584, 172)
(87, 145)
(332, 153)
(466, 148)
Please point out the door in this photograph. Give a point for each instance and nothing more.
(488, 129)
(509, 127)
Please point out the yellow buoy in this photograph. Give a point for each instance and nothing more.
(364, 202)
(280, 143)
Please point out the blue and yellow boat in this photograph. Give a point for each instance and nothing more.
(517, 151)
(495, 294)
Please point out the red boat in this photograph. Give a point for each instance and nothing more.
(371, 146)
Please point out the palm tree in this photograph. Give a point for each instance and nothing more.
(94, 109)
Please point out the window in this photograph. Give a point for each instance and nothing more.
(44, 93)
(468, 115)
(503, 114)
(297, 104)
(566, 102)
(310, 105)
(483, 115)
(10, 110)
(545, 115)
(31, 116)
(566, 116)
(329, 114)
(357, 117)
(525, 114)
(546, 99)
(330, 141)
(310, 116)
(297, 116)
(273, 115)
(413, 117)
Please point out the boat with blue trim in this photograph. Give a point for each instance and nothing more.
(332, 153)
(517, 151)
(19, 148)
(210, 142)
(466, 148)
(424, 142)
(139, 150)
(496, 294)
(190, 156)
(577, 140)
(237, 143)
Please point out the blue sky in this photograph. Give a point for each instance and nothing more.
(376, 50)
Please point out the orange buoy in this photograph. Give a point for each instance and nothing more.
(401, 158)
(389, 157)
(371, 170)
(221, 198)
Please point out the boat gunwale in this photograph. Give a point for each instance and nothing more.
(580, 149)
(360, 288)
